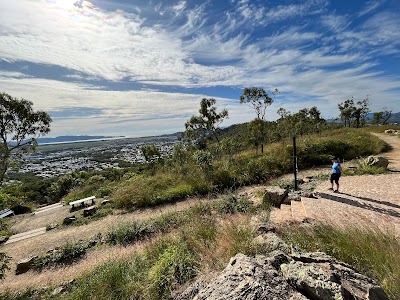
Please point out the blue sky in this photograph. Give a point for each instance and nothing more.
(140, 68)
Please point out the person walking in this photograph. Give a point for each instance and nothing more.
(336, 172)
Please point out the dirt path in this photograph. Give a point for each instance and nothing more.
(394, 155)
(368, 201)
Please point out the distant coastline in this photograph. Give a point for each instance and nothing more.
(75, 138)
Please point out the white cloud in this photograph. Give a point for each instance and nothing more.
(370, 6)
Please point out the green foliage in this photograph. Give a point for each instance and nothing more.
(4, 228)
(364, 169)
(354, 114)
(128, 233)
(176, 265)
(64, 255)
(374, 253)
(163, 187)
(21, 126)
(259, 100)
(151, 153)
(233, 204)
(206, 124)
(4, 265)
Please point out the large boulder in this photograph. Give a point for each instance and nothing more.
(377, 161)
(246, 278)
(286, 274)
(275, 195)
(3, 239)
(320, 276)
(68, 220)
(25, 265)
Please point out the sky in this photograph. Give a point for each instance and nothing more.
(140, 68)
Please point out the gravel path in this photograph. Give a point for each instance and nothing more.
(370, 201)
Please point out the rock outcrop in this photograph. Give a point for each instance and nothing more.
(285, 273)
(275, 195)
(25, 265)
(90, 211)
(377, 161)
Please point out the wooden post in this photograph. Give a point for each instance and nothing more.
(294, 163)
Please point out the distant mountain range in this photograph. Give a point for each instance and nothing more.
(395, 118)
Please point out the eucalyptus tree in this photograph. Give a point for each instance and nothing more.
(258, 99)
(206, 124)
(20, 126)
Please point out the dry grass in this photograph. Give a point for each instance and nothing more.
(54, 276)
(52, 239)
(29, 222)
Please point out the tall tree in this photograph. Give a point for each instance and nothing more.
(206, 124)
(346, 111)
(259, 100)
(361, 111)
(20, 126)
(386, 115)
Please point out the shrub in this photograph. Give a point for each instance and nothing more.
(4, 265)
(65, 255)
(128, 233)
(176, 265)
(163, 187)
(232, 204)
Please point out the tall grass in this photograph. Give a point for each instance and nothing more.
(374, 253)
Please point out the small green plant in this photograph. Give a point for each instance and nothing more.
(364, 169)
(4, 265)
(64, 255)
(128, 233)
(176, 265)
(233, 204)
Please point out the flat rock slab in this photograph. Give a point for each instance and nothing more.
(48, 208)
(26, 235)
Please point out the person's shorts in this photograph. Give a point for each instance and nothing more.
(335, 178)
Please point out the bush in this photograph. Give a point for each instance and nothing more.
(142, 191)
(233, 204)
(65, 255)
(127, 233)
(4, 265)
(176, 265)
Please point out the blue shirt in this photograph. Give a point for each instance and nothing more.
(335, 168)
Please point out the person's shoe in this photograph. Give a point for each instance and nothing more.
(336, 191)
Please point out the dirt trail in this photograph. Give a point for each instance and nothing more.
(394, 155)
(369, 201)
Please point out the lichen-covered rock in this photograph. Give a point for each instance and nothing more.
(270, 242)
(246, 278)
(286, 273)
(275, 195)
(329, 279)
(377, 161)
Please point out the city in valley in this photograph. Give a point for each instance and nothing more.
(57, 159)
